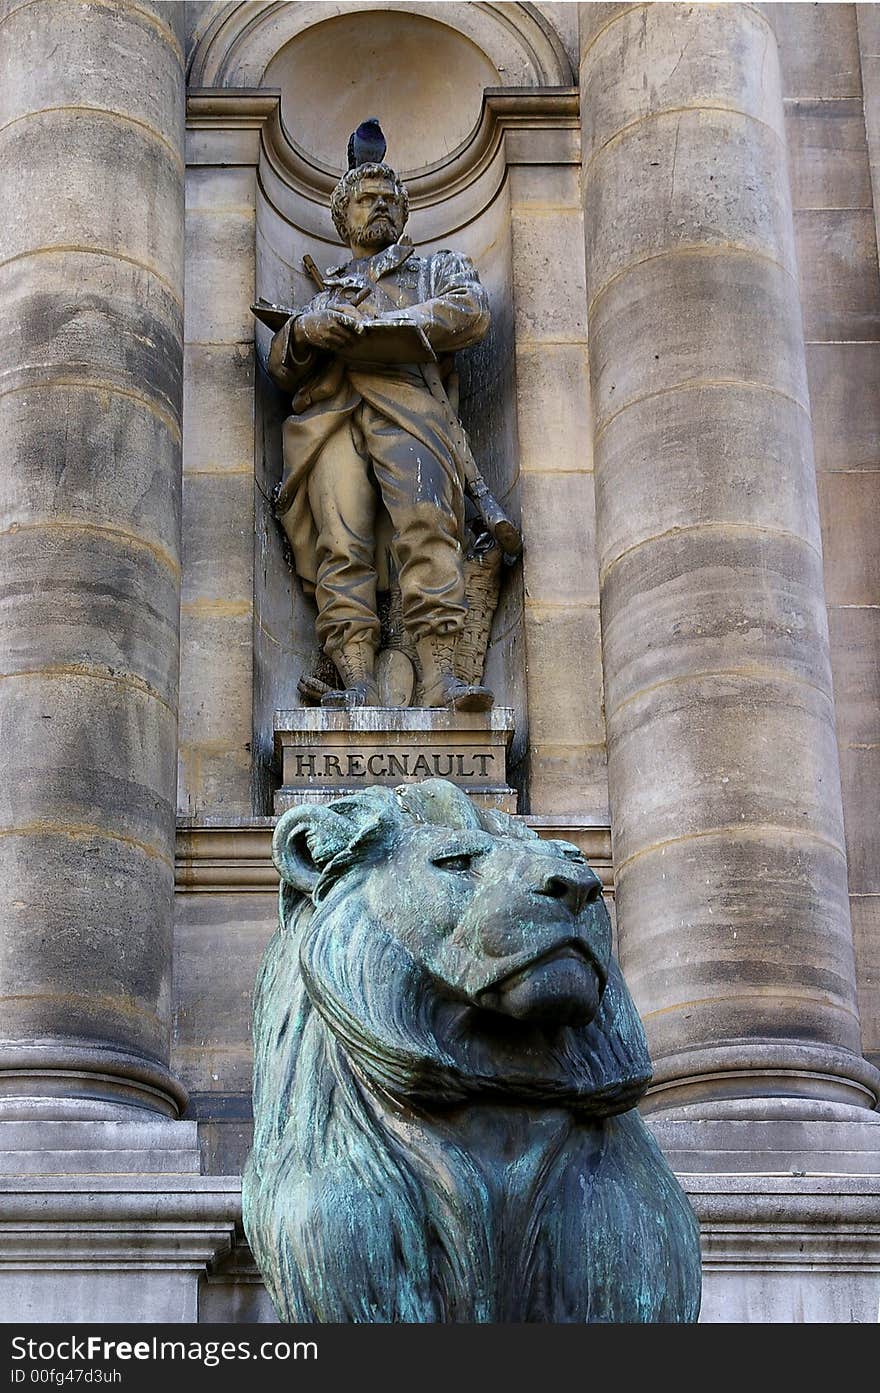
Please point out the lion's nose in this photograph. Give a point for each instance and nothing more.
(574, 889)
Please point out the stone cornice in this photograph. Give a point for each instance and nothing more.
(214, 856)
(541, 124)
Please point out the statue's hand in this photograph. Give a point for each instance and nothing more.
(326, 328)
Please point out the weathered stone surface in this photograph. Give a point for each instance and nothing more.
(124, 1005)
(837, 251)
(850, 508)
(219, 277)
(865, 911)
(113, 469)
(845, 404)
(855, 646)
(51, 151)
(779, 775)
(119, 620)
(818, 49)
(218, 943)
(723, 770)
(776, 967)
(216, 705)
(668, 614)
(859, 772)
(684, 179)
(736, 320)
(561, 565)
(218, 408)
(108, 322)
(672, 64)
(553, 407)
(91, 289)
(553, 634)
(100, 1246)
(569, 779)
(152, 94)
(218, 536)
(828, 154)
(549, 303)
(754, 432)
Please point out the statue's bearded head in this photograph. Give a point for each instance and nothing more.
(370, 207)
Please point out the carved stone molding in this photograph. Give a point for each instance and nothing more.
(238, 43)
(516, 126)
(236, 856)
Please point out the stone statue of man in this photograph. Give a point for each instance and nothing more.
(371, 428)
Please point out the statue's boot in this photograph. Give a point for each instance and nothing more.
(440, 685)
(356, 664)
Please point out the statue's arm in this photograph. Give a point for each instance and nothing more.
(320, 328)
(456, 314)
(289, 365)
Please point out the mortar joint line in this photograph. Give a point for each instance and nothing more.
(751, 528)
(107, 112)
(756, 672)
(740, 830)
(693, 249)
(99, 385)
(698, 384)
(62, 524)
(677, 111)
(79, 249)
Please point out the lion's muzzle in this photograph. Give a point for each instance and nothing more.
(549, 962)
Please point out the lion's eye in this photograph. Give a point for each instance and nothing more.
(462, 861)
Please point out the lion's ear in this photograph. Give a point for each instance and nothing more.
(305, 840)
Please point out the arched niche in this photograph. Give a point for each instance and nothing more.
(426, 81)
(236, 43)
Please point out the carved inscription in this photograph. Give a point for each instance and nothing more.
(304, 767)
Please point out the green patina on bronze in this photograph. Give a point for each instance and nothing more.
(447, 1066)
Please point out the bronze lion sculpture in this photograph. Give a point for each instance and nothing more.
(447, 1063)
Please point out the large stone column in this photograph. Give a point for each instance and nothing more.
(91, 288)
(727, 824)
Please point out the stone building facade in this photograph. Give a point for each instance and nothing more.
(674, 211)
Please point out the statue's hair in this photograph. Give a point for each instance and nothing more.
(362, 1199)
(341, 195)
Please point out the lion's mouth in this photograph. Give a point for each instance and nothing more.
(561, 986)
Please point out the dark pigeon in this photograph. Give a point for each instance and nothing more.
(366, 145)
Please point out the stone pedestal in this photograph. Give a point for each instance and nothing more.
(108, 1221)
(327, 754)
(789, 1208)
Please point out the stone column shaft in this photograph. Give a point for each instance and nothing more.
(91, 292)
(726, 810)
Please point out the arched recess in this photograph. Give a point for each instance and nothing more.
(409, 68)
(259, 181)
(240, 40)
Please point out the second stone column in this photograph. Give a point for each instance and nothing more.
(726, 809)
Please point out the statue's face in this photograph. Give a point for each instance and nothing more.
(375, 213)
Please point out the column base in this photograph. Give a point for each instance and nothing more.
(69, 1079)
(757, 1072)
(789, 1208)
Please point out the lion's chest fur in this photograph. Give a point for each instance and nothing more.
(523, 1167)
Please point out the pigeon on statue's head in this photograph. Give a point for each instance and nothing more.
(366, 145)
